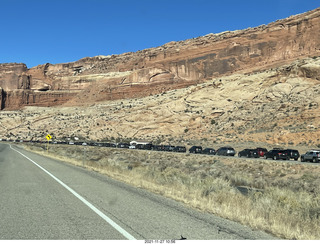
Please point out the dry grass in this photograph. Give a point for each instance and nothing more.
(287, 203)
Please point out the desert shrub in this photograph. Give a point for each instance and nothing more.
(287, 207)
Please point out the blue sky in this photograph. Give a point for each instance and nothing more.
(58, 31)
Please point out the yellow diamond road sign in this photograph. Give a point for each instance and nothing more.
(49, 137)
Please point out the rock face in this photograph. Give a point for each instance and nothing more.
(155, 70)
(14, 76)
(17, 89)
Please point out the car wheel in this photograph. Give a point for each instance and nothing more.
(274, 157)
(314, 160)
(302, 159)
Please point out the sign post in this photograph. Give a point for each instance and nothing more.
(48, 137)
(84, 154)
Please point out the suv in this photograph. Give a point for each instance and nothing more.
(195, 149)
(277, 154)
(249, 153)
(261, 151)
(226, 151)
(209, 151)
(293, 154)
(312, 156)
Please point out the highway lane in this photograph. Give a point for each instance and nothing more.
(33, 205)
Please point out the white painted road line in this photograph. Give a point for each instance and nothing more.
(97, 211)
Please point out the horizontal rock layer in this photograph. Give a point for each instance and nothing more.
(155, 70)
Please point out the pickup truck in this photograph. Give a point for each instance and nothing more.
(312, 156)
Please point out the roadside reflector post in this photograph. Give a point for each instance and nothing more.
(84, 155)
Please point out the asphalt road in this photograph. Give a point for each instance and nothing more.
(45, 199)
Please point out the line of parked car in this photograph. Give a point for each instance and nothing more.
(222, 151)
(312, 155)
(275, 153)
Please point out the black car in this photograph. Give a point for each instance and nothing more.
(277, 154)
(195, 149)
(123, 145)
(293, 154)
(209, 151)
(180, 149)
(169, 148)
(158, 147)
(106, 144)
(226, 151)
(249, 153)
(144, 146)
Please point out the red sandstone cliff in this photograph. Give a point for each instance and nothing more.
(154, 70)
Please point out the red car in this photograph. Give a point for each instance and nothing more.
(261, 151)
